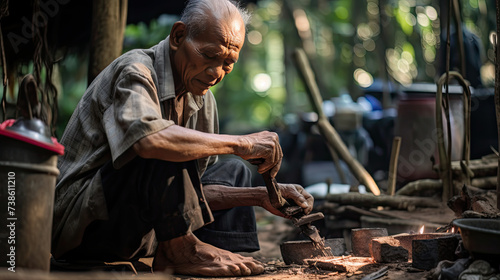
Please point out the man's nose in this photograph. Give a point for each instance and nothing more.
(215, 71)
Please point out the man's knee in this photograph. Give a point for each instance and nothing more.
(241, 170)
(229, 172)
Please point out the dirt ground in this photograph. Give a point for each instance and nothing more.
(272, 231)
(276, 270)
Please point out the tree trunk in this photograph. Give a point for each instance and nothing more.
(108, 25)
(497, 97)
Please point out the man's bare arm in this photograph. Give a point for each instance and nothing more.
(221, 197)
(178, 144)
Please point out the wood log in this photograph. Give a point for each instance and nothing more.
(370, 200)
(427, 253)
(331, 136)
(387, 250)
(480, 167)
(419, 186)
(486, 183)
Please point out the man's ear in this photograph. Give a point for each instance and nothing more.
(177, 35)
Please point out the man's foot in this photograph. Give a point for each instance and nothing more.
(189, 256)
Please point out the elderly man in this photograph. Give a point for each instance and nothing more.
(134, 180)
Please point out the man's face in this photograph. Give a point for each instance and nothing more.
(203, 61)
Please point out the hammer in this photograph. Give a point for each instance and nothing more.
(298, 217)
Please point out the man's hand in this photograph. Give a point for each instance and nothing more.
(264, 147)
(294, 193)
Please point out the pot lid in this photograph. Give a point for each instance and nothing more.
(33, 132)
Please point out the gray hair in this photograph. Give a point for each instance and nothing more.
(197, 12)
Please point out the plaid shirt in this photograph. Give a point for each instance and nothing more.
(132, 98)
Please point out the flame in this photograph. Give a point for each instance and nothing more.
(421, 230)
(453, 230)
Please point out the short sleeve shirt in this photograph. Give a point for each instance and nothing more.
(131, 98)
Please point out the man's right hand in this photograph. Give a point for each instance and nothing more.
(177, 143)
(291, 192)
(265, 147)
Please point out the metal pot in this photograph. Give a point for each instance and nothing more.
(480, 235)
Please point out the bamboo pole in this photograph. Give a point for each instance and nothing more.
(393, 165)
(327, 130)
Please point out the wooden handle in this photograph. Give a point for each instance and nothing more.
(277, 200)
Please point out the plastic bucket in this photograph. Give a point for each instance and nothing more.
(27, 183)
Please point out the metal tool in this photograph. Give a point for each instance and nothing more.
(298, 217)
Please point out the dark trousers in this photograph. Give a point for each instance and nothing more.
(234, 229)
(152, 200)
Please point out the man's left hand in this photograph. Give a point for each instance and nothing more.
(295, 193)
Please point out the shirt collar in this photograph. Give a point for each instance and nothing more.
(163, 68)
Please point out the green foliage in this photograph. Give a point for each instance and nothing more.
(142, 35)
(396, 40)
(73, 79)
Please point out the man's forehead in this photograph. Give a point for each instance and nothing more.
(231, 33)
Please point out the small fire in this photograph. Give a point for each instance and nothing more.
(453, 230)
(421, 230)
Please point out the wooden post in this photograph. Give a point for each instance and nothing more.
(497, 97)
(393, 166)
(108, 26)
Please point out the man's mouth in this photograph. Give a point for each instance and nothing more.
(207, 85)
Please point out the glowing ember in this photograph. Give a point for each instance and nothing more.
(341, 263)
(421, 230)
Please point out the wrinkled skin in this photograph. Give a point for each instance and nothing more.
(264, 145)
(203, 62)
(188, 255)
(295, 193)
(198, 64)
